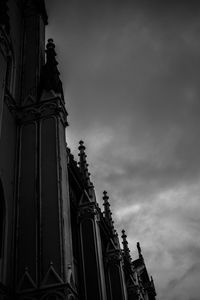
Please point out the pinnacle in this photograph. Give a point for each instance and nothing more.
(83, 165)
(107, 211)
(50, 44)
(125, 246)
(82, 148)
(106, 203)
(105, 196)
(82, 154)
(139, 250)
(124, 236)
(81, 142)
(50, 79)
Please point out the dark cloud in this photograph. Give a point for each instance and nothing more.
(191, 272)
(131, 72)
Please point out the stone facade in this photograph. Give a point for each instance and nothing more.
(55, 241)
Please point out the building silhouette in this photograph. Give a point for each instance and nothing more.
(55, 241)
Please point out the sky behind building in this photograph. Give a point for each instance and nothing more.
(131, 74)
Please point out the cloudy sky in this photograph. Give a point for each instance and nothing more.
(131, 76)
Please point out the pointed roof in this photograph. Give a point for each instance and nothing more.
(50, 79)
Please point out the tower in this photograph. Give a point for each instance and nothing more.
(55, 241)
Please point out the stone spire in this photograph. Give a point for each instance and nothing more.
(139, 250)
(83, 165)
(107, 212)
(126, 250)
(50, 79)
(4, 19)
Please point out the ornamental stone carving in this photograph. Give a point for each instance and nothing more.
(113, 257)
(88, 211)
(53, 107)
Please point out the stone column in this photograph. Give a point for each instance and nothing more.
(43, 241)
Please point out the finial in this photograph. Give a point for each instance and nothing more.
(124, 236)
(107, 211)
(81, 147)
(106, 204)
(50, 44)
(50, 79)
(139, 250)
(50, 51)
(83, 165)
(125, 247)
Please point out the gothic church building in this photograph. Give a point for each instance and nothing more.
(55, 241)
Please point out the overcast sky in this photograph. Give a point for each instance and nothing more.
(131, 76)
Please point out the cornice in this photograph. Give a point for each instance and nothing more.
(36, 111)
